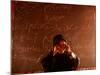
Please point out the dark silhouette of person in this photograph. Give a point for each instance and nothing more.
(61, 58)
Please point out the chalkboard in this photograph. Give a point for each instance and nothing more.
(35, 24)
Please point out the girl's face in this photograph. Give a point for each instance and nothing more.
(61, 46)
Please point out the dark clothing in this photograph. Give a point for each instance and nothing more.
(60, 62)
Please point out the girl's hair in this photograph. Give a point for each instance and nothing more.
(57, 39)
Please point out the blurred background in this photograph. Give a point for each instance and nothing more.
(35, 24)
